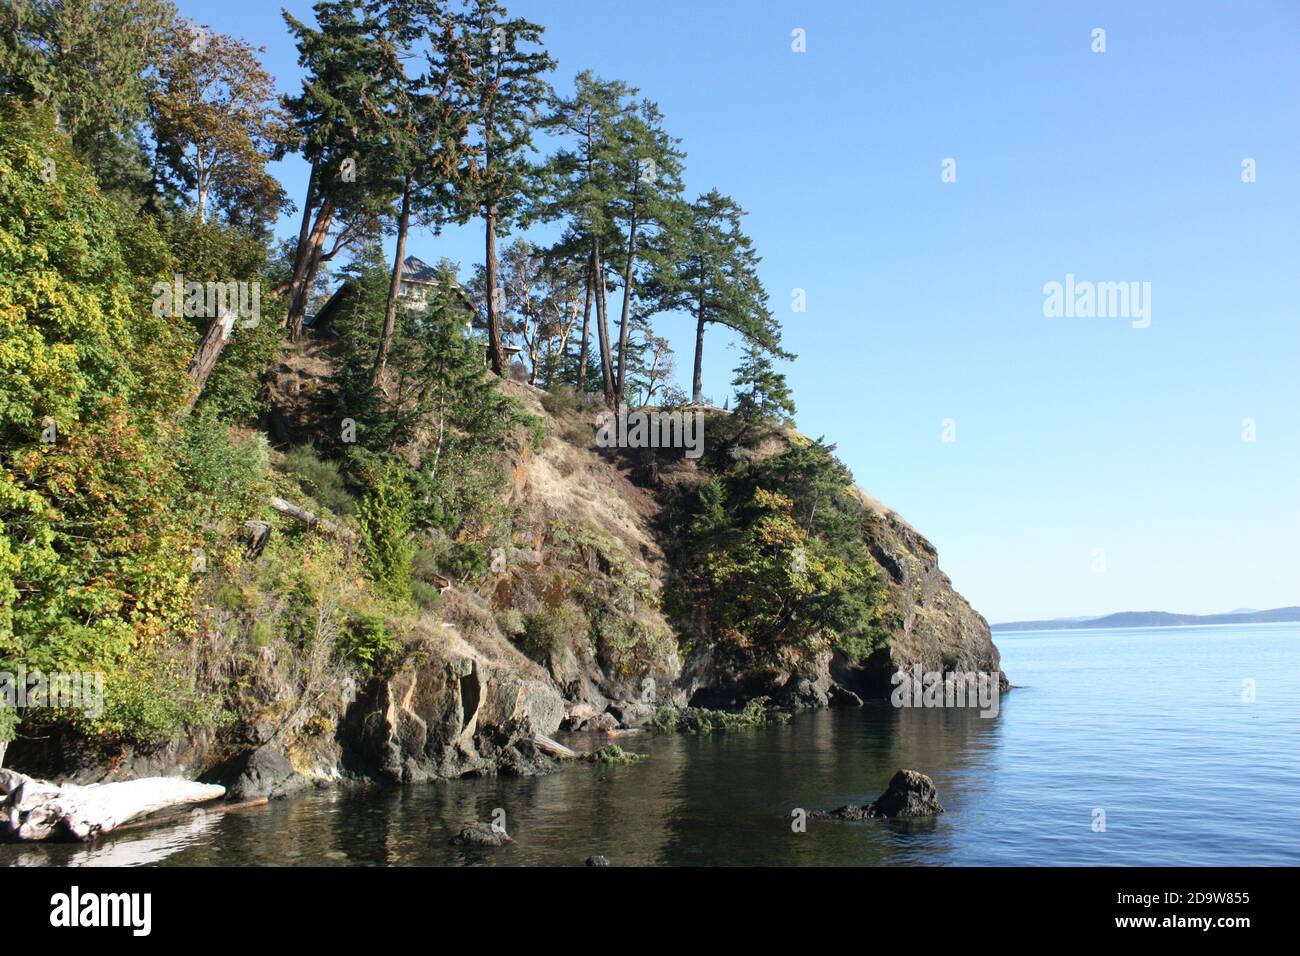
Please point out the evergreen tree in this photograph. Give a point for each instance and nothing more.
(336, 119)
(581, 181)
(762, 394)
(647, 202)
(505, 75)
(425, 124)
(715, 278)
(91, 62)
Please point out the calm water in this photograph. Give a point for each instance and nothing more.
(1147, 724)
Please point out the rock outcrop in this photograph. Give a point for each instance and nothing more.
(451, 711)
(910, 795)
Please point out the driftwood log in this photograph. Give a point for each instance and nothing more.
(553, 747)
(36, 810)
(312, 520)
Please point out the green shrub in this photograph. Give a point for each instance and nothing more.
(368, 643)
(8, 723)
(465, 561)
(552, 628)
(426, 596)
(385, 516)
(321, 478)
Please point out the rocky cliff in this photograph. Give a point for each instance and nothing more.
(567, 631)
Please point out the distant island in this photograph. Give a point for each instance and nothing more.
(1155, 619)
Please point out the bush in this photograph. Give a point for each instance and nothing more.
(465, 561)
(321, 478)
(426, 596)
(368, 643)
(564, 400)
(384, 515)
(552, 628)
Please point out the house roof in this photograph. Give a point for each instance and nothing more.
(417, 270)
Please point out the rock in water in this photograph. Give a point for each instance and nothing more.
(266, 772)
(481, 834)
(910, 794)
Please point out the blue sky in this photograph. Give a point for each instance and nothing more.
(1097, 467)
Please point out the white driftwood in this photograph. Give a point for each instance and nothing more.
(554, 748)
(312, 520)
(36, 810)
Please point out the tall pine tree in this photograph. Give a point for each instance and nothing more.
(506, 68)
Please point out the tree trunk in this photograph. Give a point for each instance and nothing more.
(495, 351)
(602, 326)
(394, 287)
(305, 271)
(627, 306)
(205, 357)
(586, 323)
(697, 382)
(304, 232)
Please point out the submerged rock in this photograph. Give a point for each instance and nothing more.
(910, 795)
(481, 834)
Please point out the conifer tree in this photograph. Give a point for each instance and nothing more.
(646, 201)
(582, 181)
(761, 391)
(715, 278)
(505, 75)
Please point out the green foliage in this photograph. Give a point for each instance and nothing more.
(776, 562)
(368, 643)
(613, 755)
(466, 561)
(8, 723)
(762, 394)
(224, 480)
(384, 515)
(214, 252)
(88, 62)
(550, 629)
(322, 478)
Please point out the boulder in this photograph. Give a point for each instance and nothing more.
(910, 794)
(600, 724)
(481, 834)
(449, 712)
(631, 713)
(265, 772)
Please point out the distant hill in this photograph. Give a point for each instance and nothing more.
(1155, 619)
